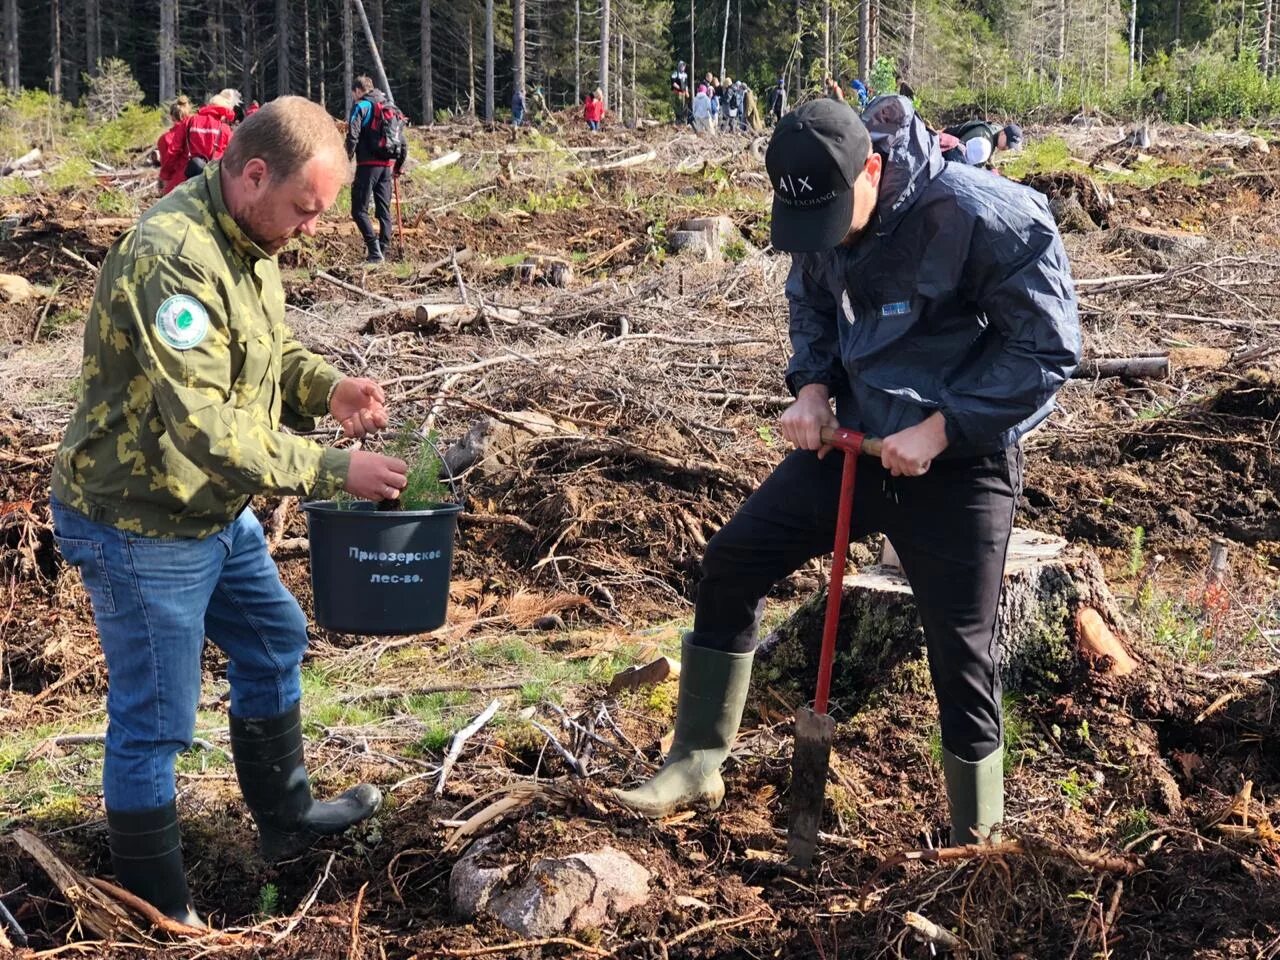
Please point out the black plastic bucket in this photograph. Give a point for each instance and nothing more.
(380, 572)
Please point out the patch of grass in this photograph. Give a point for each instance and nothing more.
(15, 187)
(322, 704)
(1050, 155)
(510, 259)
(735, 251)
(1175, 624)
(553, 202)
(74, 173)
(114, 203)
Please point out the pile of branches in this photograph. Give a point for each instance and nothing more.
(601, 436)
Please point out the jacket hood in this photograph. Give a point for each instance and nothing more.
(217, 112)
(911, 152)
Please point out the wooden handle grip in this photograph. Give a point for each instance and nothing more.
(841, 439)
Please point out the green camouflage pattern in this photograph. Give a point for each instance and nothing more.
(179, 419)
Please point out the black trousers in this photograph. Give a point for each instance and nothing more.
(375, 182)
(950, 528)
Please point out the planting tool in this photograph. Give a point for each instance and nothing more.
(811, 754)
(395, 188)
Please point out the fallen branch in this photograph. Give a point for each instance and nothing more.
(930, 932)
(575, 763)
(353, 953)
(321, 275)
(632, 161)
(1135, 368)
(459, 740)
(587, 448)
(306, 904)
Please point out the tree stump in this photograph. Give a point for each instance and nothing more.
(706, 237)
(1157, 249)
(1056, 616)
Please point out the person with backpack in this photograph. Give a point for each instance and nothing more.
(977, 141)
(376, 138)
(199, 140)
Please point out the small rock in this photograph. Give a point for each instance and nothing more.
(1144, 214)
(1258, 145)
(557, 895)
(550, 622)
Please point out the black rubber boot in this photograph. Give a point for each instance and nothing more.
(273, 779)
(146, 852)
(373, 253)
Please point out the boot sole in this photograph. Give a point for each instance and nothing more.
(706, 801)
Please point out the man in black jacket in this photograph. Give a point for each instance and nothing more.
(933, 304)
(374, 171)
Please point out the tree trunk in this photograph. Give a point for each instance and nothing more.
(306, 46)
(168, 49)
(826, 37)
(577, 52)
(348, 56)
(1264, 61)
(1133, 29)
(471, 65)
(619, 74)
(374, 47)
(11, 72)
(1177, 23)
(693, 43)
(635, 104)
(246, 62)
(724, 38)
(55, 47)
(604, 51)
(909, 68)
(376, 20)
(864, 40)
(428, 93)
(324, 54)
(517, 46)
(92, 35)
(1056, 613)
(488, 61)
(282, 48)
(1061, 67)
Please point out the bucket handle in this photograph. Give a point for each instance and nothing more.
(444, 464)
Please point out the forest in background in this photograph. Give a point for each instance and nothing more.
(1197, 60)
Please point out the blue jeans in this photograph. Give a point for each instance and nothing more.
(155, 601)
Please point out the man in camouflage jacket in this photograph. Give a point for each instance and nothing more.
(189, 373)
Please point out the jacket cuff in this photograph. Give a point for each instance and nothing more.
(332, 476)
(799, 379)
(955, 437)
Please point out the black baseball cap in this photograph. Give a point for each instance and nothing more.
(816, 153)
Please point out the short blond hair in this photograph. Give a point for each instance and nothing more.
(284, 134)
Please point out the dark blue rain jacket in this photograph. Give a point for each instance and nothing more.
(957, 297)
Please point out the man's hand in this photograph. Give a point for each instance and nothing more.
(802, 422)
(358, 404)
(372, 476)
(910, 452)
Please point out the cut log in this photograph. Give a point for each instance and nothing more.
(1047, 586)
(447, 160)
(27, 159)
(1163, 248)
(633, 161)
(1133, 368)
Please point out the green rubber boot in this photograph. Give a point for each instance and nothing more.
(976, 793)
(713, 691)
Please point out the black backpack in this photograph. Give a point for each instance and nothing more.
(386, 131)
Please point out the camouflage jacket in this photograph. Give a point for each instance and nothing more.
(188, 370)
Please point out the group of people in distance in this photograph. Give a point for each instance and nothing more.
(197, 137)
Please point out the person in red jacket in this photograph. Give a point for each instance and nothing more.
(173, 160)
(199, 139)
(593, 110)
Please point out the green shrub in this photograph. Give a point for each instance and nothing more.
(135, 130)
(74, 173)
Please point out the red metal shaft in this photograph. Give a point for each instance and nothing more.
(850, 444)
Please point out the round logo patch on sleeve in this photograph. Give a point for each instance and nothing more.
(182, 321)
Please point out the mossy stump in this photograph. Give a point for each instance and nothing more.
(1056, 616)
